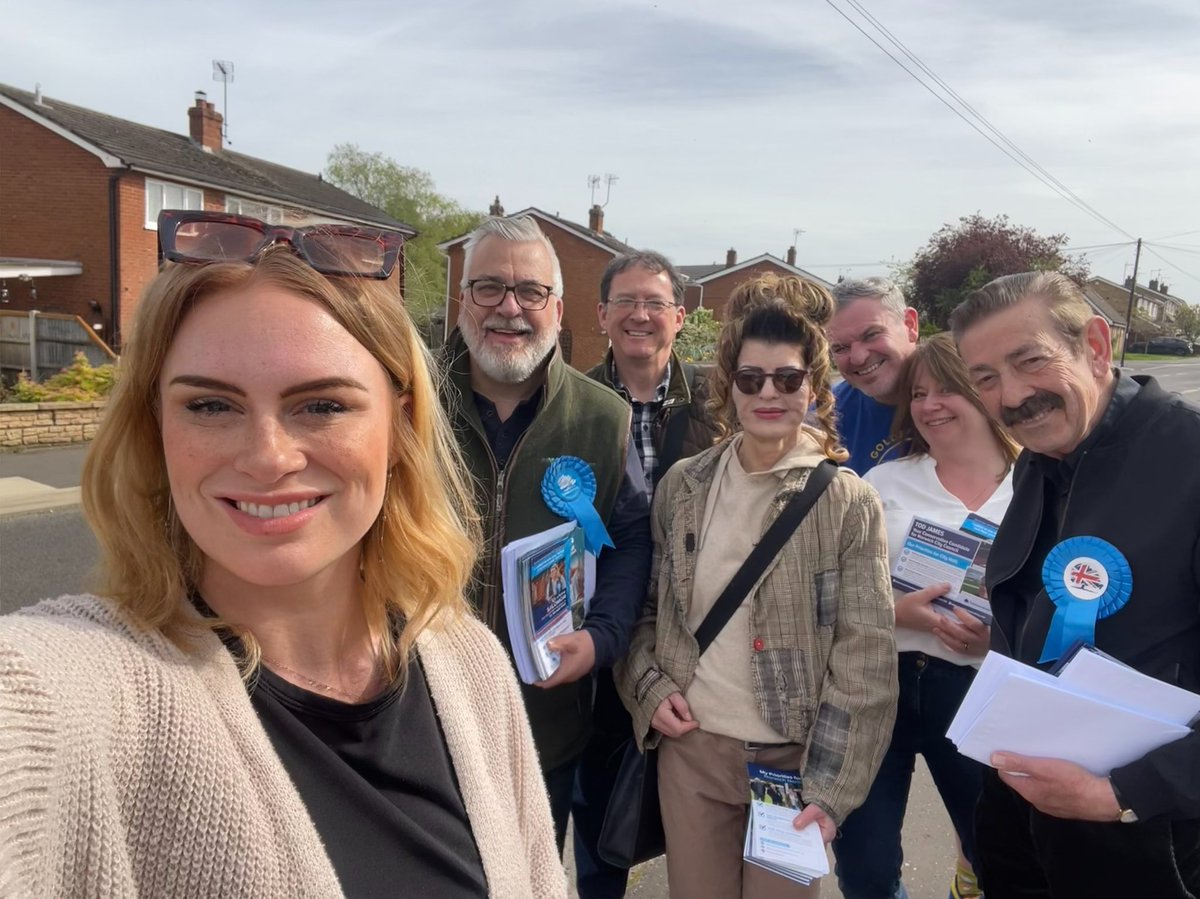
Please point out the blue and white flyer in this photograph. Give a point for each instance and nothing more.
(771, 840)
(933, 554)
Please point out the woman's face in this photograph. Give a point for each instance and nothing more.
(770, 415)
(275, 429)
(943, 417)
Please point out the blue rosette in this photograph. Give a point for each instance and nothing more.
(569, 489)
(1088, 579)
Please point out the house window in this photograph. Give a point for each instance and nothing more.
(272, 215)
(162, 195)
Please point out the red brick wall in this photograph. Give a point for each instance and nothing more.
(717, 291)
(582, 265)
(54, 205)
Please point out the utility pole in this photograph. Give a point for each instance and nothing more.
(1129, 312)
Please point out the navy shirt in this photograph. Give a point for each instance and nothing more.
(865, 427)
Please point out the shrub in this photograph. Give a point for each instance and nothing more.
(79, 382)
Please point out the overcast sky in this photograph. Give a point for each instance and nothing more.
(728, 124)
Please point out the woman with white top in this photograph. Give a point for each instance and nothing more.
(959, 463)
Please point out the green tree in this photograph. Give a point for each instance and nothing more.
(1187, 321)
(408, 194)
(963, 257)
(697, 339)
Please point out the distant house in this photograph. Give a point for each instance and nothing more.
(1154, 307)
(710, 286)
(80, 193)
(583, 252)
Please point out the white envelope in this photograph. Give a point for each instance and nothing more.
(1029, 716)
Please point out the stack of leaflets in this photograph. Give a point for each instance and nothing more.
(548, 583)
(771, 840)
(935, 554)
(1094, 711)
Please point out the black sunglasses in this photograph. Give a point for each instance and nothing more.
(198, 237)
(750, 381)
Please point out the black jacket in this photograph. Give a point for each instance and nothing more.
(1138, 487)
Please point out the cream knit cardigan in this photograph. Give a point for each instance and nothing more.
(129, 768)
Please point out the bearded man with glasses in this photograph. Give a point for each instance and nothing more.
(517, 408)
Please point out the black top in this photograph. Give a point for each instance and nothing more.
(502, 436)
(379, 785)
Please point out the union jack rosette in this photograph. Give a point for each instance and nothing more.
(1088, 579)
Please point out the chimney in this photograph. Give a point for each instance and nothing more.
(496, 208)
(37, 95)
(1154, 284)
(1129, 280)
(204, 124)
(596, 219)
(730, 257)
(791, 255)
(1162, 287)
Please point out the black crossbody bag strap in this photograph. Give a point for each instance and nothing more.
(760, 557)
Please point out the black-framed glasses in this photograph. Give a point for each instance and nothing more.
(197, 237)
(652, 307)
(750, 380)
(528, 294)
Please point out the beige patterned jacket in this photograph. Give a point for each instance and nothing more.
(823, 621)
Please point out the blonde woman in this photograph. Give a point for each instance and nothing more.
(279, 690)
(803, 676)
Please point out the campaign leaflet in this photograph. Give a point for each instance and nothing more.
(933, 553)
(771, 840)
(548, 582)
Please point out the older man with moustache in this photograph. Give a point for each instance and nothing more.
(1109, 473)
(872, 333)
(516, 407)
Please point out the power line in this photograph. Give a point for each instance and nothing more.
(1163, 246)
(1180, 234)
(1015, 154)
(1182, 271)
(1097, 246)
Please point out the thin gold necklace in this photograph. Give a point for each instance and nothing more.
(324, 687)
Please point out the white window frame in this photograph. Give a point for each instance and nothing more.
(189, 198)
(264, 212)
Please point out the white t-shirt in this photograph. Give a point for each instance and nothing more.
(909, 488)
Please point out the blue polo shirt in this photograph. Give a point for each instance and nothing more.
(865, 426)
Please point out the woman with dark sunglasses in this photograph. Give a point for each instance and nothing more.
(958, 469)
(802, 676)
(280, 690)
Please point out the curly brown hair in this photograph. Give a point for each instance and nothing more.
(776, 309)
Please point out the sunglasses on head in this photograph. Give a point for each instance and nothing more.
(351, 250)
(750, 380)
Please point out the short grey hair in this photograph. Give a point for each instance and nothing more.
(514, 228)
(1062, 297)
(882, 289)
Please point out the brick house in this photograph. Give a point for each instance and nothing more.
(713, 284)
(80, 193)
(583, 252)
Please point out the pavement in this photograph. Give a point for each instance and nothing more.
(40, 479)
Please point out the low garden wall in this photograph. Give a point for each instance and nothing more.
(47, 424)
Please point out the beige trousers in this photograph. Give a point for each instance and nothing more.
(705, 795)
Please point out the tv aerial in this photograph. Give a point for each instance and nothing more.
(223, 72)
(594, 183)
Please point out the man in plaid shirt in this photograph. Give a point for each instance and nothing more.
(641, 310)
